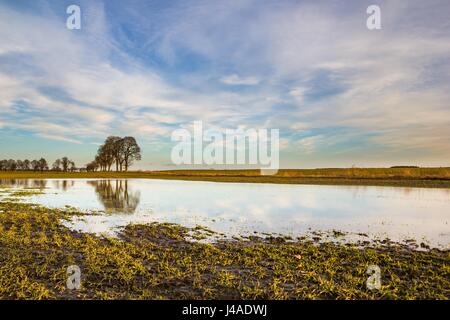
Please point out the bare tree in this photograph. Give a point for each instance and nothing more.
(19, 165)
(3, 165)
(11, 165)
(26, 164)
(56, 165)
(65, 162)
(121, 151)
(114, 146)
(130, 151)
(92, 166)
(105, 155)
(35, 165)
(43, 164)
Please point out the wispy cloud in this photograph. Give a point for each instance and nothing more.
(300, 66)
(58, 138)
(235, 79)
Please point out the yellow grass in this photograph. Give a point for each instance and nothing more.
(404, 177)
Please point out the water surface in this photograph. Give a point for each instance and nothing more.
(244, 208)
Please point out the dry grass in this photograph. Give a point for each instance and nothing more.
(357, 173)
(400, 177)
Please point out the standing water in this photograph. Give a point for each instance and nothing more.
(247, 208)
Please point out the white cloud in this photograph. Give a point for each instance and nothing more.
(235, 79)
(298, 93)
(58, 138)
(392, 83)
(309, 144)
(299, 126)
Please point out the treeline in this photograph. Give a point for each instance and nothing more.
(116, 152)
(63, 164)
(13, 165)
(405, 167)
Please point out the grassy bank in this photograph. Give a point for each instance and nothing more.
(155, 261)
(401, 177)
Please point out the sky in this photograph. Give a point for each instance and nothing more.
(340, 94)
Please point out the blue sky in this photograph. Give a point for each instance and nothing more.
(340, 94)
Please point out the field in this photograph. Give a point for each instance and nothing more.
(169, 261)
(155, 261)
(401, 177)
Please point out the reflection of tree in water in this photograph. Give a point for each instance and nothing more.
(25, 183)
(63, 184)
(115, 195)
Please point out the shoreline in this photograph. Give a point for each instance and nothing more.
(394, 177)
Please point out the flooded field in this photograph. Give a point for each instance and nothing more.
(242, 209)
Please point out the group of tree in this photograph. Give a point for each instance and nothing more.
(116, 152)
(24, 165)
(64, 164)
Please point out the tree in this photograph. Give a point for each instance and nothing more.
(121, 151)
(56, 165)
(72, 166)
(130, 151)
(92, 166)
(65, 162)
(102, 161)
(105, 155)
(19, 165)
(35, 165)
(26, 164)
(43, 164)
(113, 146)
(3, 165)
(11, 165)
